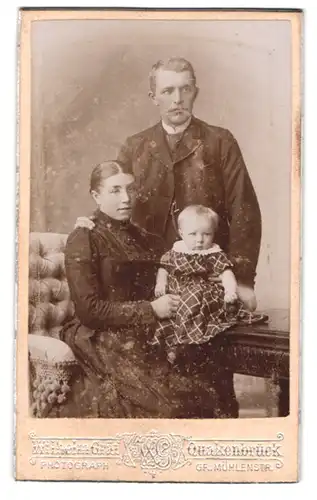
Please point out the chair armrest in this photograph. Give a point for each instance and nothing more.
(51, 367)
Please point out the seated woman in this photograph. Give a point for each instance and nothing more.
(111, 275)
(111, 269)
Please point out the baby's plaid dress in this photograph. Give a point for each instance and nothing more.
(202, 313)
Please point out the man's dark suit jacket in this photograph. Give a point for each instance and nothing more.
(208, 169)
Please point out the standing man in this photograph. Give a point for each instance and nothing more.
(183, 160)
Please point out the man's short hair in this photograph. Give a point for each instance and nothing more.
(199, 210)
(177, 64)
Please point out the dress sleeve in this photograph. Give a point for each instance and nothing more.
(81, 263)
(219, 263)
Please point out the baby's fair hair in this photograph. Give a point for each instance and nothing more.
(198, 210)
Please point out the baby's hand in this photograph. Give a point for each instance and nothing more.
(160, 290)
(230, 296)
(85, 222)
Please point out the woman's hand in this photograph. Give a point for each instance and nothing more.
(166, 306)
(247, 296)
(85, 222)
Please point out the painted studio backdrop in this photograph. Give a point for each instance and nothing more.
(90, 91)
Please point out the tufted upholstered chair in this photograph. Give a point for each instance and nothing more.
(50, 360)
(49, 299)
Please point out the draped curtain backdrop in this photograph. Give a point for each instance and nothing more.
(90, 91)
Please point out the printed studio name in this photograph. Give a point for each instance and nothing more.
(113, 448)
(96, 448)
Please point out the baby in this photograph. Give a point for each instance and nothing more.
(199, 272)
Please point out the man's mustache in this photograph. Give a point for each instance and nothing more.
(178, 109)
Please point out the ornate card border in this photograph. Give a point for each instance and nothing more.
(154, 450)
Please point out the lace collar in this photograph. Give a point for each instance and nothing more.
(180, 247)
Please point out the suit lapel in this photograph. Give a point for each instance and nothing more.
(158, 146)
(190, 142)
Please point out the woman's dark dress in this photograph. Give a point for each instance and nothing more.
(111, 274)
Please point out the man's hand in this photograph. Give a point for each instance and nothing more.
(85, 222)
(247, 296)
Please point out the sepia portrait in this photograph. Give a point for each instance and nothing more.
(159, 236)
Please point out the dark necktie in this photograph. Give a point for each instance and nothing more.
(171, 233)
(173, 141)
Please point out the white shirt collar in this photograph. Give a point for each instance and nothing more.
(178, 129)
(179, 246)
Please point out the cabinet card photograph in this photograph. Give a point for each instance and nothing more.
(158, 245)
